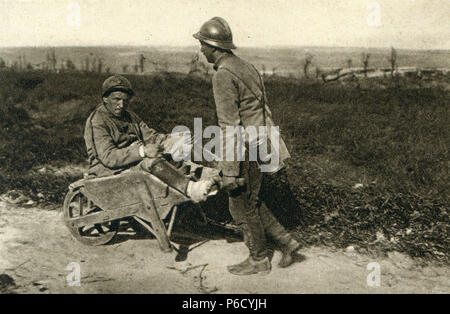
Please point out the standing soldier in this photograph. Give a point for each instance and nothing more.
(240, 99)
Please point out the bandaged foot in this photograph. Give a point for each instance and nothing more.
(200, 190)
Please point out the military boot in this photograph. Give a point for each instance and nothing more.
(251, 266)
(287, 244)
(257, 262)
(288, 250)
(238, 267)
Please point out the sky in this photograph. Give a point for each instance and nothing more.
(413, 24)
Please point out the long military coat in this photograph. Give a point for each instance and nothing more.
(113, 143)
(240, 98)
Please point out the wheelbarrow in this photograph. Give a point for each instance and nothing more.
(94, 207)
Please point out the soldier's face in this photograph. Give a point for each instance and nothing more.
(117, 102)
(208, 51)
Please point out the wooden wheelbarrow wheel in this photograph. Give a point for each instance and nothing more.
(76, 204)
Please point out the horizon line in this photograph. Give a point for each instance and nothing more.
(244, 47)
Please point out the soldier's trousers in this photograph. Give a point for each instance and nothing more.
(252, 215)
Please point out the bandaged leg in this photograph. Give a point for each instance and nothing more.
(166, 173)
(161, 168)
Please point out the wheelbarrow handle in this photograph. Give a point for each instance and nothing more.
(239, 182)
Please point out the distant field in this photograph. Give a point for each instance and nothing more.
(393, 142)
(285, 61)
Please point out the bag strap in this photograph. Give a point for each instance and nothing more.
(262, 89)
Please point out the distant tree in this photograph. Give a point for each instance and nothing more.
(125, 68)
(2, 64)
(349, 63)
(15, 66)
(365, 61)
(194, 64)
(274, 69)
(19, 63)
(22, 62)
(100, 65)
(94, 65)
(306, 63)
(141, 63)
(47, 60)
(263, 68)
(318, 72)
(51, 60)
(393, 61)
(70, 66)
(86, 64)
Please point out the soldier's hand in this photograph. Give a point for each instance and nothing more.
(229, 183)
(153, 150)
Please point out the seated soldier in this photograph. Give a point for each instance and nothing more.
(117, 139)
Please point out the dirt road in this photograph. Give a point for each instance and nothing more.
(36, 249)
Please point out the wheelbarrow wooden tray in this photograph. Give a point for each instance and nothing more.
(99, 201)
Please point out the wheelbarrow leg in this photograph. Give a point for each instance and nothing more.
(150, 214)
(158, 231)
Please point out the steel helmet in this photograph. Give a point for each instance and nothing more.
(217, 33)
(116, 83)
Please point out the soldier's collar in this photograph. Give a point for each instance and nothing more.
(220, 60)
(105, 109)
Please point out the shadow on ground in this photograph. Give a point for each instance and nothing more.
(194, 226)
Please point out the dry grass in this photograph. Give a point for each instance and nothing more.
(395, 141)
